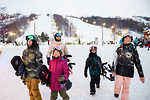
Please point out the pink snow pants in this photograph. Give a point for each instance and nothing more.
(125, 81)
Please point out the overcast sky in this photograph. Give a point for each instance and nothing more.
(104, 8)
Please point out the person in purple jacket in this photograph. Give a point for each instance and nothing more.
(59, 72)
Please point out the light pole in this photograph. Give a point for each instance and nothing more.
(102, 33)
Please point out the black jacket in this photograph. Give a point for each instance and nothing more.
(127, 56)
(92, 63)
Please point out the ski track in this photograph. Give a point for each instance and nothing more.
(12, 87)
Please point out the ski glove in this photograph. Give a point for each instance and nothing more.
(85, 74)
(61, 78)
(48, 60)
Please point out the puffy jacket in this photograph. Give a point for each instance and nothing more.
(63, 47)
(127, 56)
(32, 59)
(58, 67)
(92, 64)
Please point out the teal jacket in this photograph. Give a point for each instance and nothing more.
(92, 63)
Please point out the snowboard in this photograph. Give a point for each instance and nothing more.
(44, 74)
(16, 62)
(18, 66)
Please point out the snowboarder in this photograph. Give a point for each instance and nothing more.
(57, 42)
(59, 72)
(94, 69)
(123, 67)
(32, 59)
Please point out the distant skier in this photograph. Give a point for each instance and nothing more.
(148, 44)
(94, 69)
(123, 67)
(135, 42)
(32, 59)
(59, 72)
(57, 42)
(48, 42)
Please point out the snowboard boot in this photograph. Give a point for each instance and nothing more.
(92, 93)
(116, 95)
(98, 86)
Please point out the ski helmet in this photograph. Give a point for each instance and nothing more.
(30, 37)
(57, 35)
(127, 35)
(58, 48)
(93, 48)
(34, 41)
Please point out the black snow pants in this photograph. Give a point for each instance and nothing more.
(95, 79)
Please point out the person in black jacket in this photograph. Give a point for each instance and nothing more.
(123, 67)
(94, 63)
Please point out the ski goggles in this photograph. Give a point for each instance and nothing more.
(57, 48)
(58, 35)
(30, 37)
(93, 48)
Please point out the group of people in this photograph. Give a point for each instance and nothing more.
(141, 42)
(32, 59)
(123, 67)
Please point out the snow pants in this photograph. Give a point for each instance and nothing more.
(32, 85)
(95, 79)
(125, 81)
(63, 94)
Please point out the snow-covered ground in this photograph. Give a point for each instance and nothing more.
(11, 87)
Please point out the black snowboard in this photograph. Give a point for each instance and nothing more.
(44, 74)
(15, 62)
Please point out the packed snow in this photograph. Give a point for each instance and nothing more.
(12, 87)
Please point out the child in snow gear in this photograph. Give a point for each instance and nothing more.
(59, 72)
(32, 59)
(123, 67)
(94, 69)
(57, 42)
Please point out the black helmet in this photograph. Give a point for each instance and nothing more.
(127, 35)
(56, 35)
(93, 48)
(58, 48)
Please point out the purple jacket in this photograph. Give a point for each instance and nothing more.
(58, 67)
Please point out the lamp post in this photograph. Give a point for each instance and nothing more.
(102, 33)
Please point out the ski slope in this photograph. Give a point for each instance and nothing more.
(12, 87)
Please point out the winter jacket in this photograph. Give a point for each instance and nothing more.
(58, 67)
(127, 56)
(32, 59)
(92, 64)
(63, 47)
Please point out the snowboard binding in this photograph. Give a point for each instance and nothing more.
(70, 64)
(108, 70)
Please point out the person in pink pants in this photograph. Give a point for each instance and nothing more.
(126, 56)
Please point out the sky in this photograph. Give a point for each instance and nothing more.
(104, 8)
